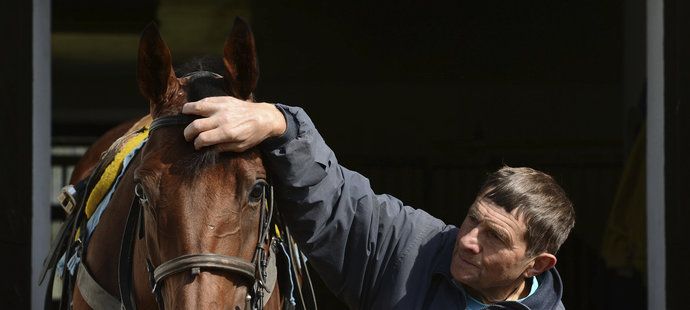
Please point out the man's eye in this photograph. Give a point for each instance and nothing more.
(494, 235)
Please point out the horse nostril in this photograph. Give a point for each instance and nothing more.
(237, 308)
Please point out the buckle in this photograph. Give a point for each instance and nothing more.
(66, 198)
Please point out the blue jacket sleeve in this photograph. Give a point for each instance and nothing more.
(354, 238)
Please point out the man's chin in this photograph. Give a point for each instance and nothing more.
(464, 278)
(462, 275)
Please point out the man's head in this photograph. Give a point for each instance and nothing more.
(512, 231)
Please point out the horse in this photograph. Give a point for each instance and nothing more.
(184, 228)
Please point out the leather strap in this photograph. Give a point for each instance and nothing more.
(127, 257)
(204, 260)
(201, 74)
(272, 275)
(94, 294)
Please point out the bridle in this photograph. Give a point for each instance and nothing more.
(254, 271)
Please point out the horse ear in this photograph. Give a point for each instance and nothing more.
(239, 56)
(155, 74)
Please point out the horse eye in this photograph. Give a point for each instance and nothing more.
(139, 191)
(257, 192)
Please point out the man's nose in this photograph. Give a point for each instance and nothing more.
(469, 241)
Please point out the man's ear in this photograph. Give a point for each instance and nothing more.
(540, 263)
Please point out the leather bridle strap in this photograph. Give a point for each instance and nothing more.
(204, 260)
(127, 256)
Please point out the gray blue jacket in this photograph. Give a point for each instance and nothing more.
(372, 251)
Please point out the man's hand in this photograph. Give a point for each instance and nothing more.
(232, 124)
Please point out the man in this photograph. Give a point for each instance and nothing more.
(375, 253)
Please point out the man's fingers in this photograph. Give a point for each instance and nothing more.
(211, 137)
(203, 107)
(198, 126)
(224, 124)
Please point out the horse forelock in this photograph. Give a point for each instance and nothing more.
(193, 166)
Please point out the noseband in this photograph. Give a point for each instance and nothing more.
(254, 271)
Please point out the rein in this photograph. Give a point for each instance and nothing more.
(254, 271)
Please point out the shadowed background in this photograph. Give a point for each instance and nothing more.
(422, 97)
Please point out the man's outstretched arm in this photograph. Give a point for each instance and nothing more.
(354, 238)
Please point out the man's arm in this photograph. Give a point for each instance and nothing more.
(354, 238)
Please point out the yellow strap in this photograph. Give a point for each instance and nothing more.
(277, 231)
(111, 172)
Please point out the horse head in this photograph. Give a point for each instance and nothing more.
(199, 206)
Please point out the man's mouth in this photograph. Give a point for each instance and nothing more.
(468, 262)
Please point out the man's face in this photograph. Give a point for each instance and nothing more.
(490, 248)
